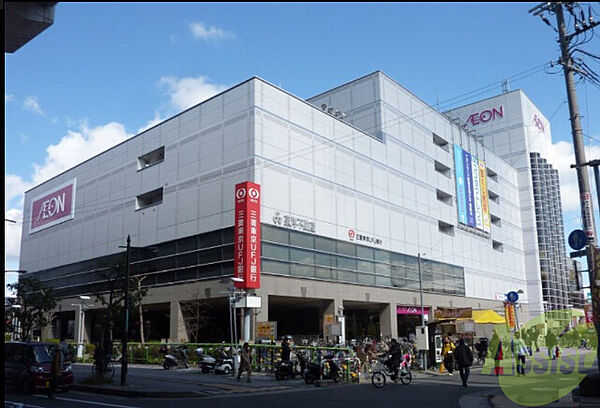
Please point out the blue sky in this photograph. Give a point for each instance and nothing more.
(104, 71)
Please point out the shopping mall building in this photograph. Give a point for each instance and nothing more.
(352, 186)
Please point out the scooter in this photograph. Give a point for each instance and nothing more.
(205, 362)
(171, 361)
(223, 363)
(328, 370)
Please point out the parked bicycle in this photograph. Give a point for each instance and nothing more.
(381, 371)
(108, 371)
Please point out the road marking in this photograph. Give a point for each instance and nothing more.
(104, 404)
(22, 405)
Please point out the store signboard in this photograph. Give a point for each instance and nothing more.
(54, 207)
(449, 313)
(477, 193)
(266, 330)
(509, 314)
(247, 235)
(469, 189)
(461, 195)
(411, 310)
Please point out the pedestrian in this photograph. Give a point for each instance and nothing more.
(246, 361)
(464, 359)
(496, 351)
(536, 338)
(448, 355)
(285, 349)
(521, 351)
(55, 371)
(551, 344)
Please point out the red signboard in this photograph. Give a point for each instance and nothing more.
(52, 208)
(247, 235)
(411, 310)
(509, 314)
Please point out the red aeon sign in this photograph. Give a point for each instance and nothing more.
(53, 208)
(247, 235)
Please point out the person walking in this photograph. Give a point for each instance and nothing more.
(246, 361)
(55, 371)
(448, 355)
(285, 349)
(464, 359)
(496, 351)
(551, 344)
(521, 351)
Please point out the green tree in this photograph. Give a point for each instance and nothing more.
(37, 301)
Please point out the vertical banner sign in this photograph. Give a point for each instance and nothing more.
(588, 226)
(595, 286)
(469, 189)
(476, 193)
(509, 315)
(485, 204)
(460, 184)
(247, 235)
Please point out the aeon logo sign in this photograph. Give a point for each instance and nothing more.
(53, 208)
(538, 123)
(485, 116)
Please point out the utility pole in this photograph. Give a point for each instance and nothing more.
(126, 329)
(569, 69)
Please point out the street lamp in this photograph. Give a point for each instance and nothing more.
(126, 301)
(80, 330)
(233, 297)
(422, 311)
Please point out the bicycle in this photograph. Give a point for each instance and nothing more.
(109, 369)
(381, 371)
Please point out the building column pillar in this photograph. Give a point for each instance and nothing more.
(177, 331)
(388, 321)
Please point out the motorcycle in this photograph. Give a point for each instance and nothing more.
(328, 370)
(171, 360)
(286, 369)
(205, 362)
(223, 363)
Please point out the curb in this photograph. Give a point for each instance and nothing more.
(137, 393)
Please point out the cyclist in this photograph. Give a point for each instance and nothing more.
(395, 359)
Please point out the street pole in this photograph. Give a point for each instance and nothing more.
(422, 311)
(126, 328)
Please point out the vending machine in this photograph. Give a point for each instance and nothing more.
(437, 341)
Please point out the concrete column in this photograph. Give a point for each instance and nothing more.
(177, 332)
(388, 321)
(262, 313)
(332, 307)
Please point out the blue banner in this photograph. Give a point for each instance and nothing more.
(460, 184)
(469, 189)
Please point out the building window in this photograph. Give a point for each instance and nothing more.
(438, 141)
(492, 174)
(498, 246)
(496, 220)
(446, 228)
(442, 168)
(494, 197)
(150, 159)
(443, 197)
(147, 199)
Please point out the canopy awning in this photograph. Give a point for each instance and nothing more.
(486, 316)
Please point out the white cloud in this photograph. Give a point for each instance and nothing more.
(152, 122)
(32, 104)
(199, 30)
(12, 235)
(189, 91)
(561, 156)
(8, 98)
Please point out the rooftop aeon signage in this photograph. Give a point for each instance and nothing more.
(485, 116)
(51, 208)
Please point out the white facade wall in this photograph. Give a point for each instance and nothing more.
(513, 137)
(208, 149)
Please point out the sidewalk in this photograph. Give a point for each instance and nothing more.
(155, 382)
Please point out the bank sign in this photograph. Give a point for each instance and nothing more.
(51, 208)
(471, 190)
(247, 235)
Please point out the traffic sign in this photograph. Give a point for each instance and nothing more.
(512, 296)
(577, 239)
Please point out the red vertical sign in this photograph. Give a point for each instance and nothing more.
(247, 235)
